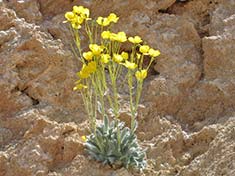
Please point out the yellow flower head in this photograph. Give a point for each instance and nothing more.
(120, 37)
(96, 49)
(83, 12)
(124, 55)
(88, 55)
(105, 34)
(77, 19)
(117, 58)
(144, 49)
(69, 16)
(84, 138)
(113, 36)
(87, 70)
(130, 65)
(76, 25)
(135, 39)
(113, 17)
(83, 74)
(154, 53)
(79, 87)
(92, 66)
(141, 75)
(105, 58)
(103, 21)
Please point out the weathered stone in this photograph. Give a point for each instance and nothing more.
(219, 158)
(192, 86)
(27, 9)
(32, 62)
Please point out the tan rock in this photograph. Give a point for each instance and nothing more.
(219, 159)
(27, 9)
(32, 63)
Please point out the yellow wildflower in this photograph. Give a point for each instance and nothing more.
(154, 53)
(92, 66)
(130, 65)
(80, 10)
(77, 19)
(105, 58)
(83, 74)
(138, 55)
(96, 49)
(87, 70)
(113, 36)
(113, 17)
(79, 87)
(84, 138)
(76, 25)
(88, 55)
(144, 49)
(69, 16)
(117, 58)
(103, 21)
(135, 39)
(124, 55)
(120, 37)
(140, 75)
(105, 34)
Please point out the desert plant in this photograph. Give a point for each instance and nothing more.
(103, 146)
(102, 67)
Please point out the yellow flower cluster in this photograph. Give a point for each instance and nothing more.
(105, 21)
(87, 70)
(77, 16)
(119, 37)
(103, 54)
(146, 50)
(135, 40)
(140, 75)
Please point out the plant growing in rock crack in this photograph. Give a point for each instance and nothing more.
(102, 66)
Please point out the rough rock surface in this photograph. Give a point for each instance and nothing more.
(187, 122)
(35, 69)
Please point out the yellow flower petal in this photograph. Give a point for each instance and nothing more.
(103, 21)
(144, 49)
(105, 34)
(105, 58)
(88, 55)
(117, 58)
(69, 16)
(92, 66)
(120, 37)
(84, 138)
(141, 75)
(113, 17)
(154, 53)
(130, 65)
(77, 19)
(79, 87)
(76, 25)
(124, 55)
(96, 49)
(84, 72)
(82, 11)
(135, 39)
